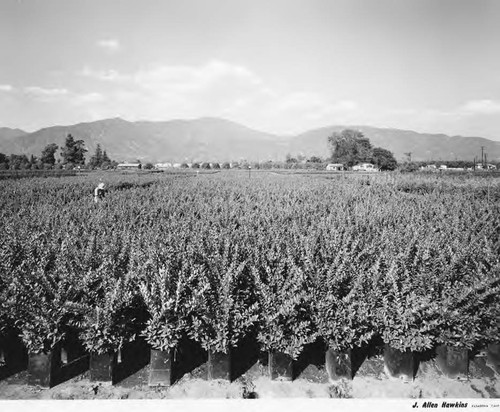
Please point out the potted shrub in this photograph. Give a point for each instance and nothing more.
(408, 320)
(469, 320)
(12, 353)
(43, 313)
(344, 308)
(6, 323)
(228, 312)
(107, 322)
(469, 299)
(285, 301)
(345, 320)
(168, 293)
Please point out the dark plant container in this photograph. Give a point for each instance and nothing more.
(453, 361)
(338, 364)
(219, 365)
(13, 355)
(160, 370)
(310, 364)
(280, 366)
(493, 356)
(102, 367)
(399, 364)
(43, 368)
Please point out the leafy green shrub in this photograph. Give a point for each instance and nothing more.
(229, 310)
(167, 286)
(112, 320)
(42, 310)
(345, 313)
(285, 299)
(469, 297)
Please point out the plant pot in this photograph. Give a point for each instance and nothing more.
(102, 367)
(493, 356)
(43, 368)
(399, 364)
(280, 366)
(338, 364)
(13, 356)
(160, 370)
(218, 365)
(453, 361)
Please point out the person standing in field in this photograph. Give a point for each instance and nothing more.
(99, 192)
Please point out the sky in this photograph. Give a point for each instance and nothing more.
(280, 66)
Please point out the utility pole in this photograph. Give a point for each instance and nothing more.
(482, 158)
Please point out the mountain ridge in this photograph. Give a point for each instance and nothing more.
(218, 139)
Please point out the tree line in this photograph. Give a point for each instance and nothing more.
(72, 156)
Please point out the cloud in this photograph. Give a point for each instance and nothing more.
(216, 88)
(86, 98)
(44, 93)
(6, 88)
(315, 108)
(109, 75)
(62, 95)
(485, 106)
(111, 45)
(187, 79)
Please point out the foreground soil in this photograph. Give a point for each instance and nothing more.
(370, 382)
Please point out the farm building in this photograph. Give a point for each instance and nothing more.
(365, 167)
(163, 165)
(488, 166)
(428, 167)
(335, 167)
(125, 166)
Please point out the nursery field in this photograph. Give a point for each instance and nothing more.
(229, 272)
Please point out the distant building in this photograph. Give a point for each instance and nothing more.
(487, 166)
(335, 167)
(365, 167)
(163, 165)
(125, 166)
(428, 167)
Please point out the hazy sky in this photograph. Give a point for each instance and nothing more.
(281, 66)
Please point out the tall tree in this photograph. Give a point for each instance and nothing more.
(19, 162)
(48, 154)
(384, 159)
(73, 151)
(4, 161)
(105, 157)
(97, 159)
(350, 147)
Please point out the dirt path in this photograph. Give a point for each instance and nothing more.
(369, 382)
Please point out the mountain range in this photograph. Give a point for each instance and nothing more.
(215, 139)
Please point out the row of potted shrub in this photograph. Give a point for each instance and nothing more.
(211, 262)
(218, 303)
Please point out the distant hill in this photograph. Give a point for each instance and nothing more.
(205, 139)
(7, 133)
(213, 139)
